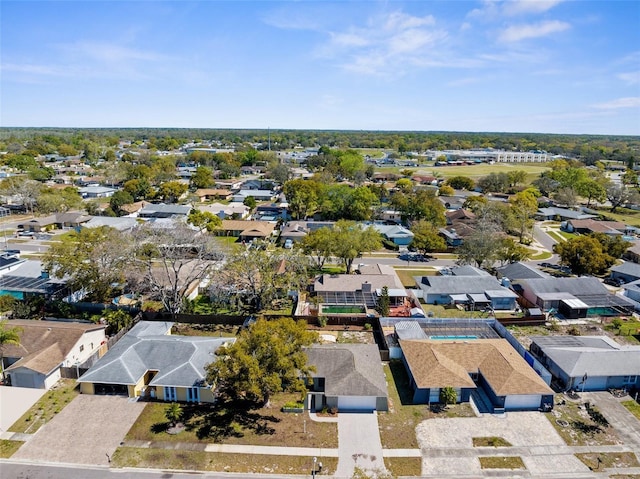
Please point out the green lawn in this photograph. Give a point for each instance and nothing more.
(404, 466)
(8, 448)
(477, 171)
(541, 256)
(406, 275)
(490, 441)
(633, 407)
(608, 460)
(46, 407)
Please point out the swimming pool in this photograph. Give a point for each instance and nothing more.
(460, 336)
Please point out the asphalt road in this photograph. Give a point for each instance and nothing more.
(14, 470)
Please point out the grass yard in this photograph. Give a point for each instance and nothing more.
(555, 235)
(501, 462)
(491, 441)
(404, 466)
(406, 275)
(8, 448)
(607, 460)
(633, 407)
(541, 256)
(47, 407)
(483, 169)
(225, 424)
(224, 462)
(581, 427)
(397, 426)
(626, 215)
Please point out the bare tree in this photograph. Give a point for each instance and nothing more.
(168, 262)
(21, 189)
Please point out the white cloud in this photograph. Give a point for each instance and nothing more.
(110, 53)
(523, 7)
(516, 33)
(631, 78)
(627, 102)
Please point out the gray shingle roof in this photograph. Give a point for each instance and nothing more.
(349, 369)
(179, 360)
(515, 271)
(594, 355)
(457, 284)
(628, 268)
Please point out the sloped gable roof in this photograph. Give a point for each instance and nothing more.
(349, 369)
(437, 364)
(178, 360)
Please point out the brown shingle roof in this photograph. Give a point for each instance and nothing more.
(437, 364)
(252, 228)
(45, 344)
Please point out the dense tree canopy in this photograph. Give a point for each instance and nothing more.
(266, 358)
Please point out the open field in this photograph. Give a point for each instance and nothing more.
(477, 171)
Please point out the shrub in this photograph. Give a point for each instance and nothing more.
(367, 326)
(322, 321)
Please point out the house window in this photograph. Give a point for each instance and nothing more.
(91, 346)
(193, 395)
(81, 347)
(629, 379)
(170, 393)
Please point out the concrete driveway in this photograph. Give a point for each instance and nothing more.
(359, 443)
(14, 402)
(84, 432)
(447, 445)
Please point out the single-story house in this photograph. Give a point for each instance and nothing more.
(627, 272)
(246, 230)
(56, 221)
(491, 365)
(348, 377)
(162, 210)
(398, 234)
(150, 362)
(259, 195)
(633, 253)
(29, 279)
(122, 223)
(475, 291)
(132, 209)
(46, 346)
(588, 226)
(518, 271)
(451, 236)
(556, 213)
(96, 191)
(296, 230)
(222, 211)
(560, 293)
(272, 212)
(206, 194)
(589, 363)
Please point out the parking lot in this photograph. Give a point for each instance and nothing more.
(86, 431)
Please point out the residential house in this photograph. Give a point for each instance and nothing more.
(57, 221)
(258, 195)
(588, 363)
(518, 271)
(397, 234)
(46, 346)
(152, 363)
(246, 230)
(26, 278)
(122, 223)
(162, 210)
(562, 214)
(476, 292)
(587, 226)
(573, 297)
(272, 212)
(467, 365)
(223, 211)
(207, 194)
(347, 377)
(296, 230)
(132, 210)
(96, 192)
(627, 272)
(633, 253)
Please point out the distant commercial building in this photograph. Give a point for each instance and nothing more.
(486, 155)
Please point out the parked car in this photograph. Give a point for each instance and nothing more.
(288, 244)
(613, 281)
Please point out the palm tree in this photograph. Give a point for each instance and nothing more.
(8, 335)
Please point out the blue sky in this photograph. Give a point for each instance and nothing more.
(519, 66)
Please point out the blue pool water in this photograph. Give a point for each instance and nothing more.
(454, 337)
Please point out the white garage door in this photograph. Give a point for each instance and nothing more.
(522, 401)
(356, 403)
